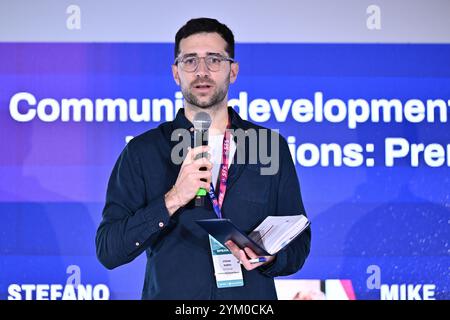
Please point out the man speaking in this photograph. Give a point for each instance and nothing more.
(152, 197)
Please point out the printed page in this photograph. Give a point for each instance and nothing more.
(277, 231)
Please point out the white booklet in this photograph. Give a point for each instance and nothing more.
(275, 232)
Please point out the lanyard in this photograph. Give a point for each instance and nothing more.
(217, 203)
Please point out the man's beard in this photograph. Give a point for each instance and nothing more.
(217, 97)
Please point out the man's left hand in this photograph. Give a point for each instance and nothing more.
(245, 255)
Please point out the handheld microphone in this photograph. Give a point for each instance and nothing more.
(202, 122)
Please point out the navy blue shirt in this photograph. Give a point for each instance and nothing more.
(179, 262)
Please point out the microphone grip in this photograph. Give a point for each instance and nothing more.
(201, 139)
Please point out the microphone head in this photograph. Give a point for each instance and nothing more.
(202, 121)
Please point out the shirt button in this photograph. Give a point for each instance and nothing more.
(137, 244)
(161, 224)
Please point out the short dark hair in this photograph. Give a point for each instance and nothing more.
(209, 25)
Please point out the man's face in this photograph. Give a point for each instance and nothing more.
(204, 88)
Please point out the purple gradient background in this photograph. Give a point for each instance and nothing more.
(54, 175)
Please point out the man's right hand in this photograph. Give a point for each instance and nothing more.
(189, 179)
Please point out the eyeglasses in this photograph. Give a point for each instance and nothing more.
(190, 63)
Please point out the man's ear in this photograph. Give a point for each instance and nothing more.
(175, 74)
(234, 72)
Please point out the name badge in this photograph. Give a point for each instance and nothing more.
(227, 268)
